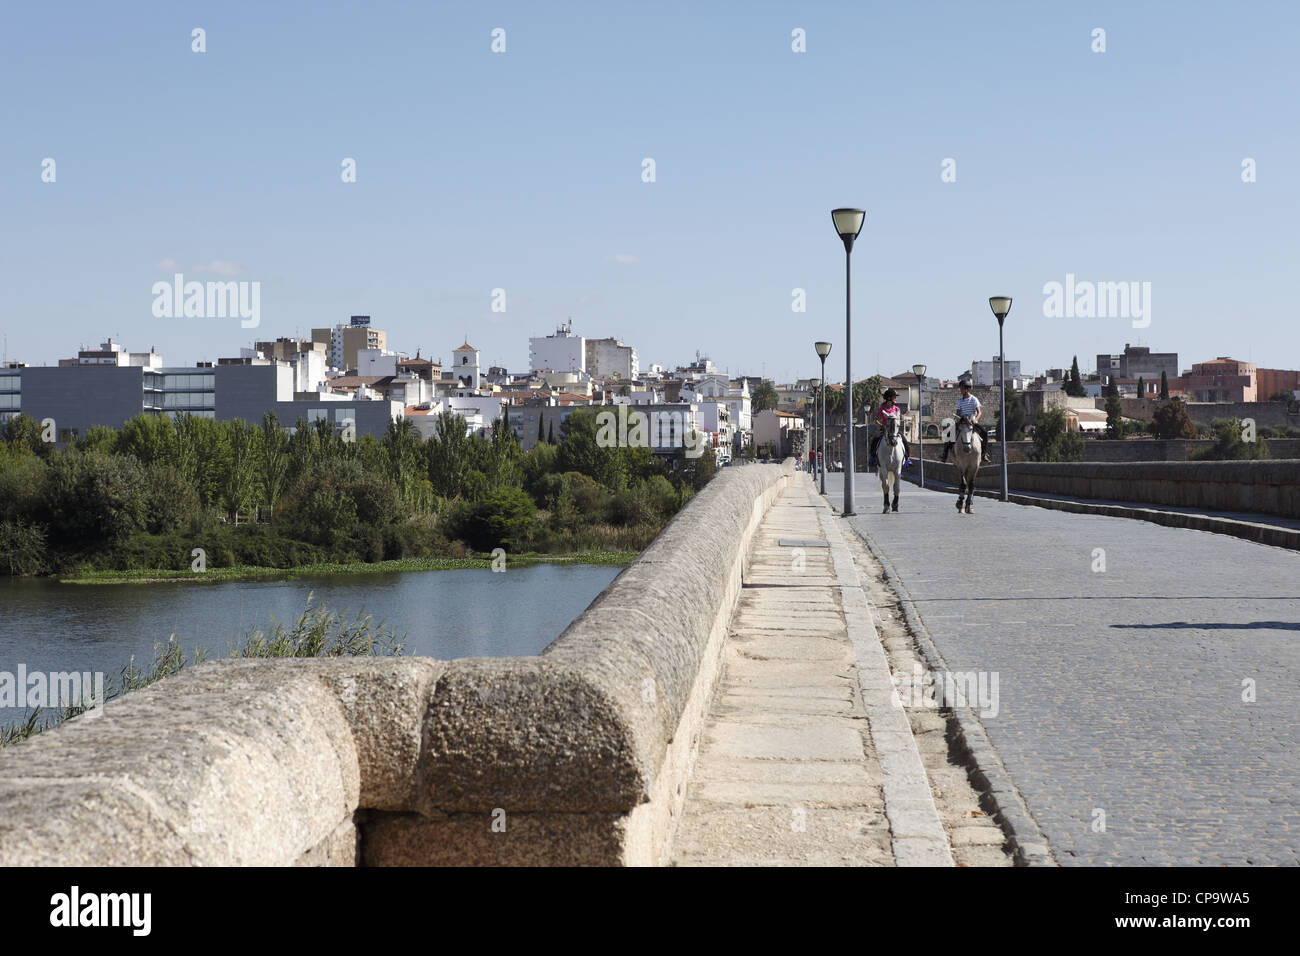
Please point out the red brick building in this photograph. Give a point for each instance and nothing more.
(1222, 380)
(1270, 381)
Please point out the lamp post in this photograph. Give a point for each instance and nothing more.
(848, 223)
(919, 371)
(1001, 305)
(823, 350)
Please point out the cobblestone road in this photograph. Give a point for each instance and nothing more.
(1120, 690)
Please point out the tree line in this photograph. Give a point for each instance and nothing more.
(145, 495)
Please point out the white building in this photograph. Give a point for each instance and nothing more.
(986, 373)
(465, 367)
(778, 429)
(561, 352)
(480, 413)
(114, 353)
(714, 417)
(308, 371)
(376, 362)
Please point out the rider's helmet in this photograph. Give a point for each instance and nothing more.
(889, 395)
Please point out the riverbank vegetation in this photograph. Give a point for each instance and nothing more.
(182, 494)
(317, 632)
(616, 559)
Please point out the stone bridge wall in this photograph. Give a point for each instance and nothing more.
(577, 756)
(1268, 487)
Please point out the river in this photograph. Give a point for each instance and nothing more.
(47, 626)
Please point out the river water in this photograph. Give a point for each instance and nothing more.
(52, 627)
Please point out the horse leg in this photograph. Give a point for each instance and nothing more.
(898, 484)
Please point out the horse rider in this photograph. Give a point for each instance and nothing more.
(889, 410)
(969, 406)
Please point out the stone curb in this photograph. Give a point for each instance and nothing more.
(1026, 839)
(916, 831)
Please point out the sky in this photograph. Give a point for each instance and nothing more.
(523, 171)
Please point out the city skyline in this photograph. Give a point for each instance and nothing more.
(479, 171)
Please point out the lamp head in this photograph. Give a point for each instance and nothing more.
(848, 223)
(918, 370)
(823, 348)
(1001, 305)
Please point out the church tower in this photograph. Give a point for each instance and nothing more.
(465, 365)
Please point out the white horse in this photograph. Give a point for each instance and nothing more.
(890, 455)
(968, 450)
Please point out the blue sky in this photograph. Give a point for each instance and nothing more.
(522, 171)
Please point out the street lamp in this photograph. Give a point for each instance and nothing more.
(823, 350)
(1001, 305)
(919, 371)
(848, 223)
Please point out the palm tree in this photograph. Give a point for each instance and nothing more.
(764, 397)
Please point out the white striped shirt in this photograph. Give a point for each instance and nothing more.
(968, 406)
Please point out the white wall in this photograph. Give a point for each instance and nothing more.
(559, 353)
(376, 362)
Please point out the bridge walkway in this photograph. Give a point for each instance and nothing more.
(803, 759)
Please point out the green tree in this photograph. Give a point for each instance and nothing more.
(504, 455)
(239, 480)
(148, 438)
(1015, 416)
(24, 431)
(1164, 385)
(581, 451)
(1292, 403)
(22, 547)
(403, 459)
(504, 518)
(1074, 382)
(170, 501)
(867, 395)
(1053, 441)
(1114, 411)
(448, 454)
(94, 499)
(274, 462)
(695, 473)
(1142, 387)
(1171, 421)
(764, 397)
(1229, 445)
(23, 478)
